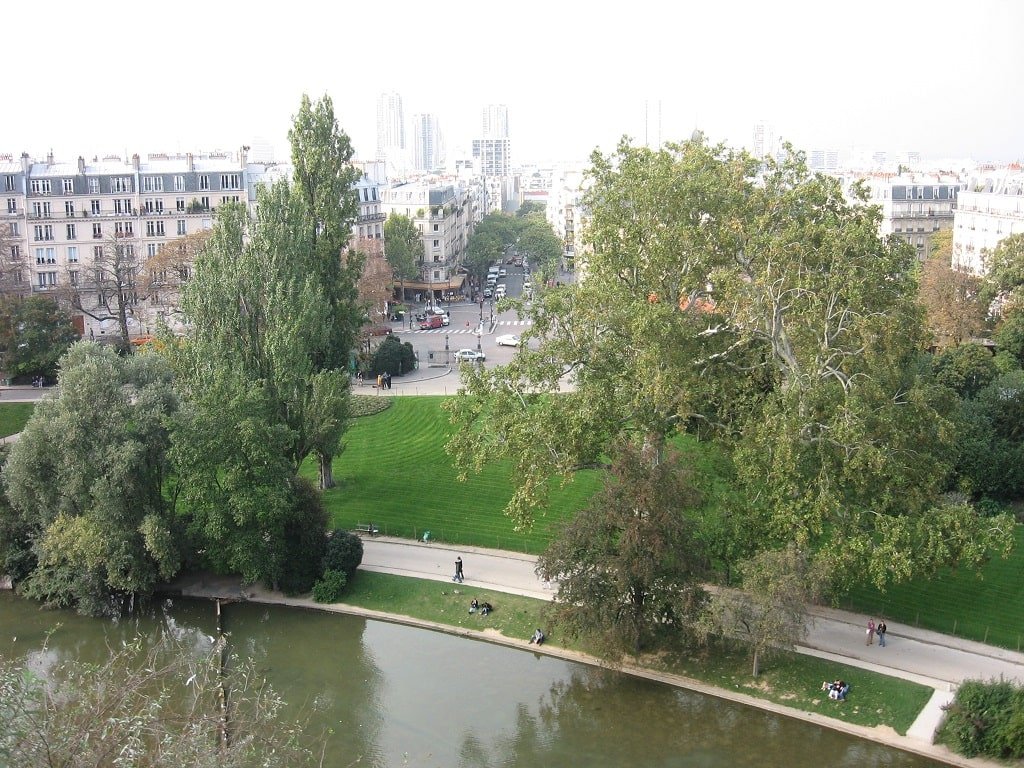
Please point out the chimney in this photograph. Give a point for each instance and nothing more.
(191, 162)
(135, 161)
(81, 165)
(49, 157)
(26, 164)
(243, 156)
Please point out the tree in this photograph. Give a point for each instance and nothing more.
(13, 268)
(950, 297)
(109, 287)
(966, 369)
(628, 566)
(403, 248)
(484, 249)
(769, 611)
(541, 244)
(376, 285)
(1004, 271)
(1009, 336)
(162, 706)
(87, 479)
(164, 275)
(757, 307)
(530, 206)
(34, 333)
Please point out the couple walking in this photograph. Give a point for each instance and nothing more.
(880, 629)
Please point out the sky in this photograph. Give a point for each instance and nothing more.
(942, 78)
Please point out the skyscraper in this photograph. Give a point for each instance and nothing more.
(495, 121)
(427, 144)
(764, 139)
(390, 125)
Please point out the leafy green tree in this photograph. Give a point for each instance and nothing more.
(628, 567)
(393, 356)
(484, 249)
(403, 248)
(87, 480)
(541, 244)
(530, 206)
(769, 611)
(990, 455)
(344, 553)
(953, 310)
(1009, 335)
(1004, 270)
(34, 333)
(966, 369)
(757, 308)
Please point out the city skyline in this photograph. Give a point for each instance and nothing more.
(573, 77)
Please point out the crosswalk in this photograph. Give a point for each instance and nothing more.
(452, 330)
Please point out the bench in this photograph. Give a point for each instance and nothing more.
(369, 528)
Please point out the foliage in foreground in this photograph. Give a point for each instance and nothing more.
(157, 708)
(986, 719)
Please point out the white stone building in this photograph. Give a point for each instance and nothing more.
(989, 210)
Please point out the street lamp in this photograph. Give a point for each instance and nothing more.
(446, 342)
(478, 339)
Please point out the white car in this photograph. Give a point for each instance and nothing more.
(470, 356)
(508, 340)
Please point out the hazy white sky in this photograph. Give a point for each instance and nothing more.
(944, 77)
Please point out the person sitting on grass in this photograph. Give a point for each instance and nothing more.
(836, 690)
(538, 637)
(485, 608)
(473, 605)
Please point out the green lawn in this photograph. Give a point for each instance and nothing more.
(13, 417)
(987, 606)
(790, 679)
(396, 474)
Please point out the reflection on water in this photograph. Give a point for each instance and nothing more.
(388, 695)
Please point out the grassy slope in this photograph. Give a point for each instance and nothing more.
(13, 417)
(396, 474)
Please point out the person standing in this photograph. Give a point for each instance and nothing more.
(380, 382)
(458, 570)
(871, 632)
(880, 630)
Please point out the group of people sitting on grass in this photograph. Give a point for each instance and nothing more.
(483, 608)
(837, 689)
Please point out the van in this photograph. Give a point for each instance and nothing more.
(433, 321)
(499, 292)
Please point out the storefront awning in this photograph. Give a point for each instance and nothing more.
(454, 284)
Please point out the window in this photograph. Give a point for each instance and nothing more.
(43, 231)
(46, 255)
(69, 186)
(41, 210)
(94, 186)
(8, 183)
(229, 199)
(181, 226)
(123, 205)
(16, 254)
(46, 279)
(179, 183)
(155, 228)
(73, 276)
(437, 243)
(40, 186)
(229, 181)
(120, 184)
(205, 203)
(97, 231)
(97, 252)
(437, 274)
(69, 208)
(12, 205)
(72, 254)
(14, 229)
(124, 229)
(204, 182)
(152, 183)
(95, 206)
(154, 205)
(436, 226)
(151, 249)
(179, 204)
(71, 231)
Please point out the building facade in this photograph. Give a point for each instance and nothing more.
(66, 222)
(990, 210)
(427, 143)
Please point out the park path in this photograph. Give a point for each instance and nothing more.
(938, 661)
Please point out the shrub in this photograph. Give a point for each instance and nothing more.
(393, 356)
(305, 540)
(986, 719)
(330, 587)
(344, 553)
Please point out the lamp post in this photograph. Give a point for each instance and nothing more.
(446, 342)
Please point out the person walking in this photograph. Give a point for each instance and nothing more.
(880, 630)
(458, 570)
(870, 632)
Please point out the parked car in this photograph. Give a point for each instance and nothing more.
(507, 340)
(470, 356)
(434, 321)
(488, 292)
(502, 272)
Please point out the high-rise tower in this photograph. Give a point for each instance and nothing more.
(427, 144)
(390, 125)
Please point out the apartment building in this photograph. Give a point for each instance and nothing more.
(989, 210)
(914, 206)
(63, 220)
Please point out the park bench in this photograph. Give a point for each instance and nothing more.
(369, 528)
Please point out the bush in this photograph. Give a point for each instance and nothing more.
(344, 553)
(986, 719)
(330, 587)
(394, 357)
(305, 540)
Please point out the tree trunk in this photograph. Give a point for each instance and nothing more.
(326, 472)
(757, 663)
